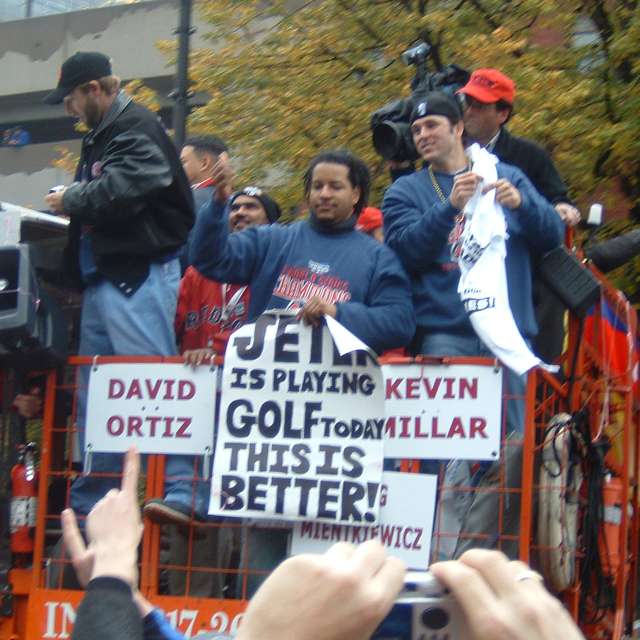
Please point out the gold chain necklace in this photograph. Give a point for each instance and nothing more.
(436, 186)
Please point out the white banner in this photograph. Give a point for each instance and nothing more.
(407, 504)
(442, 412)
(159, 408)
(301, 427)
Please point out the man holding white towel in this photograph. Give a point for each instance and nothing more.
(424, 221)
(424, 215)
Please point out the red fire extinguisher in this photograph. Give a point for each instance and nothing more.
(24, 503)
(610, 539)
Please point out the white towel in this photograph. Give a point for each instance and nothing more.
(483, 277)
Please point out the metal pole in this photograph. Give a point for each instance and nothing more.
(181, 92)
(29, 9)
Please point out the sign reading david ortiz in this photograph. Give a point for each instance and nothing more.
(301, 426)
(443, 411)
(159, 408)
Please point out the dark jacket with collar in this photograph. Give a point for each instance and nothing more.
(534, 162)
(131, 193)
(538, 166)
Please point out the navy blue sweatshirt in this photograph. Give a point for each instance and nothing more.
(288, 265)
(419, 227)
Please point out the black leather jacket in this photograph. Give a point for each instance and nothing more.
(131, 194)
(534, 162)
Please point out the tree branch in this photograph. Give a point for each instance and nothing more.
(598, 14)
(485, 14)
(363, 25)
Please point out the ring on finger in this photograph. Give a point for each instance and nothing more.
(529, 574)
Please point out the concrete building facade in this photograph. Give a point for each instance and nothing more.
(31, 53)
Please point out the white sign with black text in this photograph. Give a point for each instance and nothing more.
(159, 408)
(443, 411)
(407, 505)
(301, 427)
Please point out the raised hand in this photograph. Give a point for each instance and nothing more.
(114, 529)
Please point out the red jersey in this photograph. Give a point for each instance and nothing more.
(208, 312)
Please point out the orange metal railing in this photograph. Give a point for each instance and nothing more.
(46, 604)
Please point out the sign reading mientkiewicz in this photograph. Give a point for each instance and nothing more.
(166, 408)
(407, 506)
(301, 426)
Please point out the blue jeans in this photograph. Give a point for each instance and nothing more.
(454, 505)
(143, 324)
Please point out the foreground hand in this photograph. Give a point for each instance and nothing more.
(314, 309)
(222, 175)
(499, 604)
(506, 194)
(340, 595)
(195, 357)
(54, 201)
(464, 186)
(568, 214)
(114, 529)
(82, 557)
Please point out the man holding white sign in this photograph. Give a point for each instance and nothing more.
(319, 266)
(301, 433)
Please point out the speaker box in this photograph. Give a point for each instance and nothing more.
(18, 295)
(33, 327)
(569, 280)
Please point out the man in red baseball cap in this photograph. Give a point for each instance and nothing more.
(490, 86)
(489, 96)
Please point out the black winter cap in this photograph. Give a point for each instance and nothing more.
(270, 206)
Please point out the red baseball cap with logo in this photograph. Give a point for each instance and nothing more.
(489, 85)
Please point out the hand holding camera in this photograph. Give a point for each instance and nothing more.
(503, 600)
(54, 199)
(343, 593)
(482, 596)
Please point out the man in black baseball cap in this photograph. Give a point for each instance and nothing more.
(425, 217)
(80, 68)
(87, 87)
(130, 209)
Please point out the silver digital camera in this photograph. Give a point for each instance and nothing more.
(424, 610)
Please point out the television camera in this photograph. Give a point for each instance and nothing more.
(390, 124)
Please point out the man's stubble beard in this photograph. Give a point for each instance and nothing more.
(92, 114)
